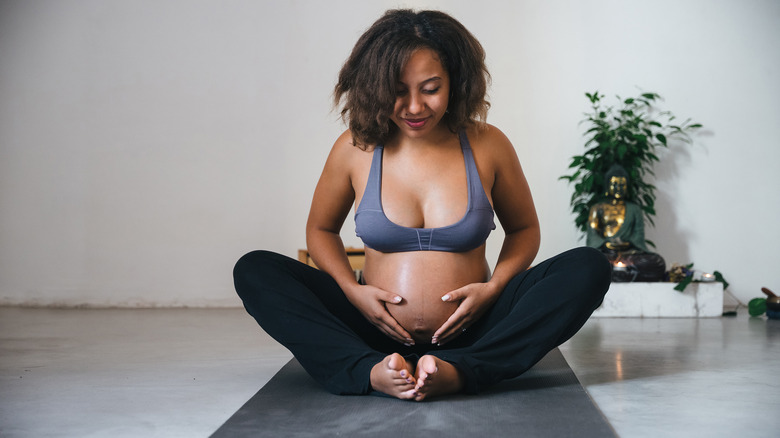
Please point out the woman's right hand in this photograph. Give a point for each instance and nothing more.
(372, 302)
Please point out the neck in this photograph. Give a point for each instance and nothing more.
(434, 139)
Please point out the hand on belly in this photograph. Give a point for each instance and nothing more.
(422, 278)
(422, 313)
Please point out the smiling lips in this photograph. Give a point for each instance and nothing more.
(416, 123)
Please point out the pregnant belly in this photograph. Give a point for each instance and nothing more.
(422, 278)
(422, 312)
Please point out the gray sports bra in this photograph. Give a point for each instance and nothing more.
(381, 234)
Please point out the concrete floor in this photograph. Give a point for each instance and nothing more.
(183, 372)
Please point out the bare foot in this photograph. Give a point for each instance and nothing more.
(436, 377)
(393, 376)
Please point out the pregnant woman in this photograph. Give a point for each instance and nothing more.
(427, 176)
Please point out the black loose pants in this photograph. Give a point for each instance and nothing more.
(305, 310)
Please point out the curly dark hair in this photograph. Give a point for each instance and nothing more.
(368, 80)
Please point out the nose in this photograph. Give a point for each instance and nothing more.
(414, 103)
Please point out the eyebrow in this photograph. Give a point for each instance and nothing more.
(432, 79)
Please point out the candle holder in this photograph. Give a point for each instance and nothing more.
(623, 272)
(706, 277)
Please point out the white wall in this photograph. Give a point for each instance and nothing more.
(145, 145)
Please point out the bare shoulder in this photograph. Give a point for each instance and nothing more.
(343, 146)
(491, 145)
(344, 154)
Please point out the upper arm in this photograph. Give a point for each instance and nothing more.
(512, 200)
(334, 194)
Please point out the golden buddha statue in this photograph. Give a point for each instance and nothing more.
(617, 228)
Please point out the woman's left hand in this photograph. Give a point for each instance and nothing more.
(475, 299)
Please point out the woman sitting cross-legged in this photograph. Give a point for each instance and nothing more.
(427, 177)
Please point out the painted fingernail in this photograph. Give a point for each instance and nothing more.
(434, 340)
(397, 299)
(410, 341)
(446, 297)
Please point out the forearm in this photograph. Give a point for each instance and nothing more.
(327, 250)
(517, 253)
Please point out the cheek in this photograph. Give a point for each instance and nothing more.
(398, 107)
(442, 103)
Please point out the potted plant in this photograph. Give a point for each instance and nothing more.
(628, 135)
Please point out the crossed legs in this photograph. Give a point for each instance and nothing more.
(304, 310)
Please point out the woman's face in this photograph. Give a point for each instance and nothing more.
(422, 95)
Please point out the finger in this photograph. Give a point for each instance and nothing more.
(390, 333)
(391, 328)
(399, 333)
(385, 321)
(446, 339)
(453, 296)
(390, 298)
(458, 294)
(402, 335)
(382, 320)
(452, 327)
(443, 340)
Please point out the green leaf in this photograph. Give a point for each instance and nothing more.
(621, 151)
(684, 283)
(593, 97)
(661, 138)
(653, 157)
(588, 182)
(719, 277)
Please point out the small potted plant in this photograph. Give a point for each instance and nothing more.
(629, 135)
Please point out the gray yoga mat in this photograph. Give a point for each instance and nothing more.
(546, 401)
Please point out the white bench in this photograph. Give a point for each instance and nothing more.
(658, 300)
